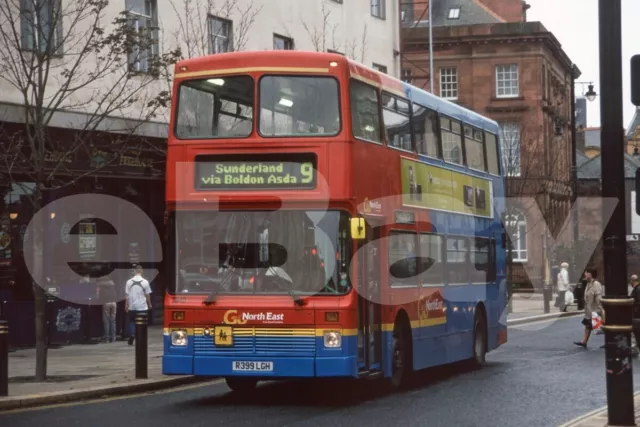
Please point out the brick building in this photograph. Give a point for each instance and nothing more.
(488, 58)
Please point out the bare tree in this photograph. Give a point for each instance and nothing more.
(206, 26)
(326, 34)
(530, 166)
(72, 56)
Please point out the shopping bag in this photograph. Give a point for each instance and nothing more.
(568, 298)
(596, 320)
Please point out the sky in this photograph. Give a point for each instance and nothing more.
(575, 25)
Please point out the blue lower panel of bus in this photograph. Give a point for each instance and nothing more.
(299, 362)
(280, 366)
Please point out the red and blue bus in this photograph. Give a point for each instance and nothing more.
(327, 220)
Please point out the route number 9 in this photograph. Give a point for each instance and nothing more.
(306, 170)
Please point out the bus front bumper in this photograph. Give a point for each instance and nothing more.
(267, 367)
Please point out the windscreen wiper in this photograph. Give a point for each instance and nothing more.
(296, 299)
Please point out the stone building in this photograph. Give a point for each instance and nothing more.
(488, 58)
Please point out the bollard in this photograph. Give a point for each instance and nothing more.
(4, 358)
(141, 346)
(547, 294)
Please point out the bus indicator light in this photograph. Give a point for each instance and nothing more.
(331, 316)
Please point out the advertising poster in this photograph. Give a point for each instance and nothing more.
(433, 187)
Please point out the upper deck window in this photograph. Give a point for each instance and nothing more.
(474, 148)
(451, 140)
(215, 108)
(365, 111)
(396, 117)
(299, 106)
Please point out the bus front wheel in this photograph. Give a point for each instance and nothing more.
(241, 385)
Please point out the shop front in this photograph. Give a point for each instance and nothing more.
(79, 246)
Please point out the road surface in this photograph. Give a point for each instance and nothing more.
(540, 378)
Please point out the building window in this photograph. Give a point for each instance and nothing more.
(379, 8)
(449, 83)
(517, 230)
(143, 19)
(454, 13)
(507, 81)
(282, 43)
(380, 68)
(41, 26)
(510, 133)
(220, 35)
(406, 75)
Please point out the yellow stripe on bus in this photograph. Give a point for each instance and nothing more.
(251, 70)
(304, 332)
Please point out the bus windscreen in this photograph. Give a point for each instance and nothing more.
(299, 106)
(219, 107)
(275, 252)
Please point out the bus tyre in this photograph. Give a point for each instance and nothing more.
(241, 385)
(400, 361)
(479, 341)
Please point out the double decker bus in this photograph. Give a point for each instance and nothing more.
(327, 220)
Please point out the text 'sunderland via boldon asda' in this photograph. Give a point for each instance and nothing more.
(219, 173)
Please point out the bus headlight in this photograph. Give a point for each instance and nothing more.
(332, 339)
(179, 337)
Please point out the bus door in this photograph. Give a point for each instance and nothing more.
(369, 309)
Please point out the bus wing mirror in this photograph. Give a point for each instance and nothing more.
(357, 228)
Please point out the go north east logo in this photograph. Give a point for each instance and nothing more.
(232, 317)
(432, 309)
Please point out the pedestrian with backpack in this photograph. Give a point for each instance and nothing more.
(138, 299)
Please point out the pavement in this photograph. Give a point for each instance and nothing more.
(600, 417)
(85, 371)
(88, 371)
(532, 304)
(538, 379)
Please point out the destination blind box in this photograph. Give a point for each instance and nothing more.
(283, 171)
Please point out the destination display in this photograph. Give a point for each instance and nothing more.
(256, 172)
(433, 187)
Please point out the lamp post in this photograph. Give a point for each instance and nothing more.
(617, 303)
(591, 96)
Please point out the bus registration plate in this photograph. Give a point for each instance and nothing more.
(253, 366)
